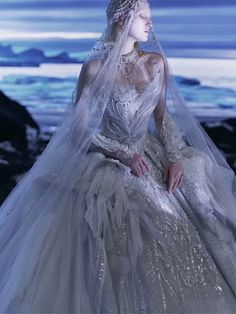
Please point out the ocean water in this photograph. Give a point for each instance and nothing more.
(47, 90)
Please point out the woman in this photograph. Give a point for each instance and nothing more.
(113, 218)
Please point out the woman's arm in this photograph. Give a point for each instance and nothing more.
(169, 135)
(99, 143)
(168, 131)
(119, 154)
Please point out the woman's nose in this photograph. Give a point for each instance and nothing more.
(149, 24)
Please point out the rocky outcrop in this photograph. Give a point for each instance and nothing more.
(223, 135)
(19, 134)
(31, 57)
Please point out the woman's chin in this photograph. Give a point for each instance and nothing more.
(143, 39)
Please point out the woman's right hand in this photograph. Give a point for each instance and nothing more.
(138, 164)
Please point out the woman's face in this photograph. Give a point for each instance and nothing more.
(141, 24)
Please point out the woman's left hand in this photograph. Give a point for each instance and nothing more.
(173, 174)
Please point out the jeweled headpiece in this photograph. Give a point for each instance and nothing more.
(119, 9)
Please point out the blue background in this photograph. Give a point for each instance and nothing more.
(189, 31)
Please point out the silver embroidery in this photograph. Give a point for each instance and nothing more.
(171, 138)
(174, 259)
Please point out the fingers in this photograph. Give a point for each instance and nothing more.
(141, 166)
(139, 169)
(166, 174)
(171, 182)
(181, 180)
(145, 164)
(177, 182)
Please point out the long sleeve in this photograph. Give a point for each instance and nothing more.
(100, 143)
(168, 131)
(111, 148)
(171, 138)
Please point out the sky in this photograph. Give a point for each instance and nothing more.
(187, 22)
(73, 15)
(77, 3)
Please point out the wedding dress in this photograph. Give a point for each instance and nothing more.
(82, 233)
(176, 272)
(148, 250)
(142, 223)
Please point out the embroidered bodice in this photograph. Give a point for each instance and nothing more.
(125, 120)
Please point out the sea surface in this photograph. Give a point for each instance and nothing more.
(47, 90)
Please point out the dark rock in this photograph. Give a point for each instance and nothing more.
(19, 135)
(224, 136)
(31, 57)
(32, 52)
(6, 51)
(225, 106)
(62, 58)
(232, 123)
(187, 81)
(14, 120)
(19, 63)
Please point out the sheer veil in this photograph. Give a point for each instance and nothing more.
(50, 185)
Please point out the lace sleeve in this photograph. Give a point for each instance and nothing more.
(111, 148)
(171, 138)
(168, 131)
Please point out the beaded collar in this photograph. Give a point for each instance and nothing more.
(127, 63)
(130, 57)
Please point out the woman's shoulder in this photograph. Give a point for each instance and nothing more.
(152, 57)
(91, 67)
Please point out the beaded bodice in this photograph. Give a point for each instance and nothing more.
(126, 116)
(125, 121)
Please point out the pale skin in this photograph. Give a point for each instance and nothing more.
(141, 25)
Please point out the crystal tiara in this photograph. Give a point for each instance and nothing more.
(118, 9)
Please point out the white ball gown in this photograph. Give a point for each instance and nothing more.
(122, 244)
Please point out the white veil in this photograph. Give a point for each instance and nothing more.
(49, 186)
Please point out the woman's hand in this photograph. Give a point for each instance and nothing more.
(138, 164)
(173, 174)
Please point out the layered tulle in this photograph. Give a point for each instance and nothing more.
(118, 243)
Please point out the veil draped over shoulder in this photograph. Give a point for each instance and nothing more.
(49, 186)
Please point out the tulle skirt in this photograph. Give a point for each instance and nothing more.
(118, 243)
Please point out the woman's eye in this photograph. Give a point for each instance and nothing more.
(145, 17)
